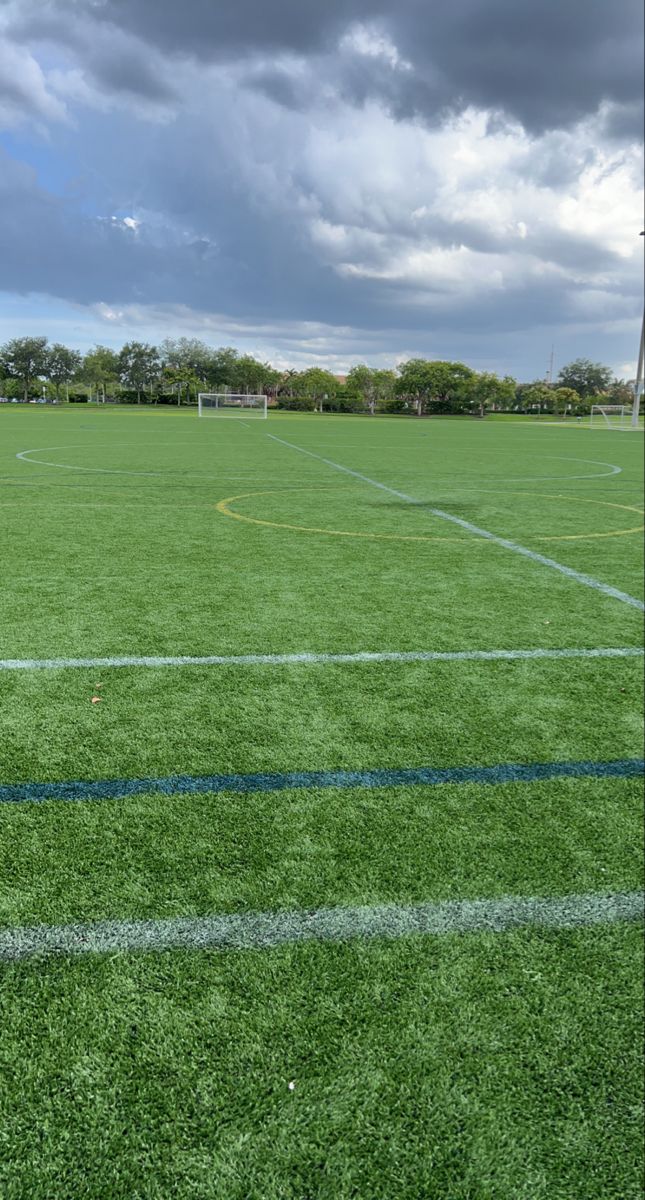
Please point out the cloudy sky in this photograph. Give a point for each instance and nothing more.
(326, 181)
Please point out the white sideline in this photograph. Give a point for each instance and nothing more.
(267, 930)
(361, 656)
(506, 543)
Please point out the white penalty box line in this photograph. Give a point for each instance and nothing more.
(507, 543)
(312, 658)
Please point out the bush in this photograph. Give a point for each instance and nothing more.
(345, 404)
(393, 406)
(129, 396)
(297, 403)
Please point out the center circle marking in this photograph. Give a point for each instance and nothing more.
(224, 507)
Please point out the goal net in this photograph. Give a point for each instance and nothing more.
(231, 404)
(611, 416)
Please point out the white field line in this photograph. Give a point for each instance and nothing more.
(588, 580)
(362, 656)
(42, 462)
(265, 930)
(592, 428)
(22, 454)
(593, 462)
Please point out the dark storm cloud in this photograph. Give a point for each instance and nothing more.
(84, 260)
(355, 80)
(45, 247)
(209, 29)
(123, 69)
(624, 122)
(545, 64)
(337, 216)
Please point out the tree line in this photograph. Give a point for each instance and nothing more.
(177, 370)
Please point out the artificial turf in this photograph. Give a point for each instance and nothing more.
(476, 1067)
(483, 1066)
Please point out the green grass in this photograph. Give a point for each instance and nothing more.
(482, 1067)
(479, 1067)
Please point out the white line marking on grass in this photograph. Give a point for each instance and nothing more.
(22, 454)
(170, 473)
(41, 462)
(594, 462)
(613, 470)
(506, 543)
(266, 930)
(361, 656)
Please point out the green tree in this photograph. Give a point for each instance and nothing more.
(181, 381)
(12, 389)
(100, 369)
(384, 382)
(373, 386)
(287, 384)
(424, 382)
(563, 398)
(62, 365)
(535, 395)
(317, 385)
(187, 355)
(138, 366)
(487, 390)
(585, 377)
(221, 372)
(24, 359)
(620, 392)
(252, 376)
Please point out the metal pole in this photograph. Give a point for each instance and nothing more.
(638, 389)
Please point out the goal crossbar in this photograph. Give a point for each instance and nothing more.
(232, 404)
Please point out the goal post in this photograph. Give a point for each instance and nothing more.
(611, 416)
(231, 404)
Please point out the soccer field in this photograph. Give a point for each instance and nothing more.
(320, 808)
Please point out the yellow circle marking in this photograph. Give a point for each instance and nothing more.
(575, 537)
(223, 506)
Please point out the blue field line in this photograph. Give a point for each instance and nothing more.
(176, 785)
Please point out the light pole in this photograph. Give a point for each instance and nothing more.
(638, 389)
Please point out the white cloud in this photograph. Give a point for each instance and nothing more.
(450, 217)
(605, 205)
(109, 314)
(378, 199)
(285, 344)
(24, 94)
(370, 42)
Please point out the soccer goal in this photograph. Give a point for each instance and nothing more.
(231, 404)
(612, 416)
